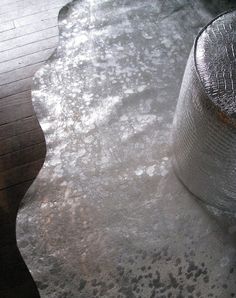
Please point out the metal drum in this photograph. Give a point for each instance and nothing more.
(204, 128)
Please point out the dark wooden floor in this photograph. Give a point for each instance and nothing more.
(28, 36)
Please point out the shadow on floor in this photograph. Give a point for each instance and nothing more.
(218, 6)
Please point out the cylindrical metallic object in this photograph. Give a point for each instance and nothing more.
(204, 128)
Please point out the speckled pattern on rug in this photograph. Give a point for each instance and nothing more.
(106, 217)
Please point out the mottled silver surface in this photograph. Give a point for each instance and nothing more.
(204, 125)
(106, 216)
(216, 62)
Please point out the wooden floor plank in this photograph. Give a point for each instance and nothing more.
(30, 10)
(19, 74)
(20, 174)
(17, 112)
(26, 139)
(10, 6)
(7, 2)
(41, 16)
(18, 127)
(24, 30)
(25, 61)
(20, 157)
(7, 26)
(15, 87)
(15, 193)
(27, 7)
(28, 49)
(28, 39)
(13, 98)
(5, 102)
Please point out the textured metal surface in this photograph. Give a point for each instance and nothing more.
(106, 216)
(215, 56)
(204, 125)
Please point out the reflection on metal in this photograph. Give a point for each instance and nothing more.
(205, 123)
(106, 215)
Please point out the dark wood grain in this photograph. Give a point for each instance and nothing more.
(28, 36)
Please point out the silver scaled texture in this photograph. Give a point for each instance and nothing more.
(204, 133)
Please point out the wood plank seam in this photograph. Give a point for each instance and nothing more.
(17, 184)
(23, 42)
(37, 61)
(15, 19)
(26, 89)
(24, 55)
(29, 77)
(24, 35)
